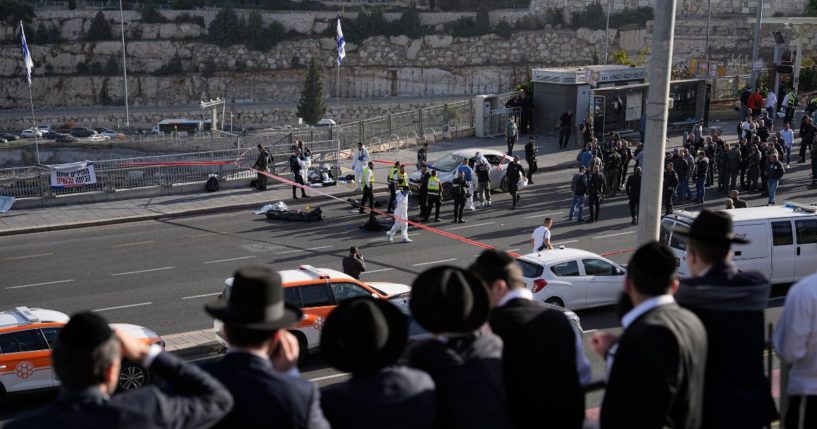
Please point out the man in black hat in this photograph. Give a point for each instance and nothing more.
(656, 367)
(365, 337)
(464, 361)
(731, 305)
(527, 329)
(259, 367)
(87, 357)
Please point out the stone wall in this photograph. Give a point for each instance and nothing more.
(684, 8)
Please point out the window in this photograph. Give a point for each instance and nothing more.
(22, 341)
(493, 159)
(50, 335)
(597, 267)
(316, 295)
(292, 297)
(566, 269)
(781, 234)
(677, 241)
(806, 231)
(344, 291)
(529, 269)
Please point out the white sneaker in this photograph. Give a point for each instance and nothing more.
(788, 166)
(389, 236)
(405, 240)
(472, 208)
(489, 204)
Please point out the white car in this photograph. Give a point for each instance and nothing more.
(98, 138)
(325, 122)
(447, 165)
(31, 133)
(111, 134)
(572, 278)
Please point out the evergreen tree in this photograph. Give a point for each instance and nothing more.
(312, 106)
(100, 28)
(226, 29)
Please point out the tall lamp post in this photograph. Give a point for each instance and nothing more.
(124, 63)
(607, 33)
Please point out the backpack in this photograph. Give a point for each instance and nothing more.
(581, 186)
(212, 183)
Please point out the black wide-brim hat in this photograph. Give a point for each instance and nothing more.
(363, 335)
(448, 299)
(256, 302)
(713, 227)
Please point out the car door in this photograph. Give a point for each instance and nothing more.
(317, 302)
(347, 290)
(604, 279)
(498, 166)
(806, 248)
(783, 252)
(25, 361)
(570, 285)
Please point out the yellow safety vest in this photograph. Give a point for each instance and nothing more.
(371, 178)
(392, 172)
(402, 180)
(433, 186)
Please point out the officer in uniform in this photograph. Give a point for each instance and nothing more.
(401, 178)
(424, 176)
(422, 156)
(392, 188)
(459, 188)
(367, 186)
(433, 196)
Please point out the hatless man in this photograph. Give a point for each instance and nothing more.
(578, 185)
(701, 169)
(87, 359)
(353, 264)
(367, 186)
(530, 157)
(565, 128)
(400, 216)
(734, 160)
(730, 302)
(737, 202)
(296, 165)
(540, 240)
(434, 196)
(423, 192)
(656, 366)
(514, 174)
(422, 156)
(808, 135)
(511, 134)
(483, 172)
(633, 190)
(787, 134)
(595, 187)
(774, 172)
(360, 159)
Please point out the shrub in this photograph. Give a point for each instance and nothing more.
(12, 12)
(528, 23)
(72, 4)
(186, 17)
(811, 8)
(100, 28)
(209, 68)
(503, 30)
(104, 97)
(295, 62)
(149, 14)
(183, 5)
(409, 24)
(82, 67)
(226, 29)
(632, 17)
(173, 67)
(464, 27)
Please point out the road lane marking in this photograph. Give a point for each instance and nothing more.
(132, 244)
(122, 306)
(202, 296)
(28, 256)
(328, 377)
(206, 234)
(469, 226)
(143, 271)
(229, 260)
(433, 262)
(377, 271)
(303, 250)
(564, 242)
(41, 284)
(613, 235)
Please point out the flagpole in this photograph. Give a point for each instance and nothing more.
(34, 127)
(337, 84)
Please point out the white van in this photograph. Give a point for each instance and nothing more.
(783, 240)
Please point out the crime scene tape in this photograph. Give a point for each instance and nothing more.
(172, 164)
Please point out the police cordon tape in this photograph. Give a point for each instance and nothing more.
(173, 163)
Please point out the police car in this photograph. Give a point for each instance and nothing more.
(446, 168)
(317, 291)
(27, 336)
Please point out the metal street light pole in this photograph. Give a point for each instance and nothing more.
(649, 212)
(708, 23)
(124, 62)
(756, 45)
(607, 33)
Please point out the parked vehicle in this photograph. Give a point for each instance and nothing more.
(9, 137)
(110, 133)
(783, 240)
(447, 165)
(31, 133)
(325, 122)
(66, 138)
(50, 135)
(44, 127)
(82, 132)
(98, 138)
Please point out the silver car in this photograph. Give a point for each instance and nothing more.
(447, 165)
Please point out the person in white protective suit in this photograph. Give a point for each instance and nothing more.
(401, 212)
(360, 159)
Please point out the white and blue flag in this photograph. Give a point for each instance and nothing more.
(27, 55)
(341, 44)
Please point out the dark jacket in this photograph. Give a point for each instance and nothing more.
(262, 161)
(197, 400)
(595, 184)
(657, 378)
(530, 152)
(468, 375)
(775, 170)
(295, 164)
(633, 186)
(670, 182)
(529, 329)
(515, 172)
(396, 397)
(264, 397)
(731, 305)
(353, 266)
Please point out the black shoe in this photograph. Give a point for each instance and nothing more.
(304, 196)
(461, 221)
(590, 221)
(294, 197)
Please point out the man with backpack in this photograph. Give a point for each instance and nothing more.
(483, 170)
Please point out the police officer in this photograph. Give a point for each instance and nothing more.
(701, 169)
(468, 175)
(612, 171)
(459, 188)
(367, 186)
(424, 176)
(296, 165)
(733, 161)
(261, 164)
(753, 167)
(422, 156)
(392, 187)
(401, 178)
(433, 196)
(530, 157)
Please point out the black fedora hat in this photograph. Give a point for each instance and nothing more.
(447, 299)
(363, 335)
(713, 227)
(256, 301)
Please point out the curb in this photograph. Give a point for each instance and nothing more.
(198, 351)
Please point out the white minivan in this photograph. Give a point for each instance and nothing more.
(783, 240)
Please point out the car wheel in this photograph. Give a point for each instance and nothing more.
(555, 301)
(503, 185)
(303, 346)
(132, 376)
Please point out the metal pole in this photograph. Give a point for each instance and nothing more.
(798, 52)
(649, 212)
(337, 84)
(756, 45)
(607, 33)
(708, 22)
(34, 126)
(124, 63)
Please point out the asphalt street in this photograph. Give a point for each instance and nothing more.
(160, 273)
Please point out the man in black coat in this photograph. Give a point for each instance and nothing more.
(731, 305)
(656, 367)
(633, 190)
(296, 165)
(528, 328)
(87, 358)
(365, 337)
(261, 164)
(259, 367)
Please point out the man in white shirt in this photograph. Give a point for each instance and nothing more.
(541, 236)
(771, 105)
(795, 342)
(787, 134)
(360, 159)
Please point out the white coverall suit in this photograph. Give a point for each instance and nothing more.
(400, 211)
(360, 160)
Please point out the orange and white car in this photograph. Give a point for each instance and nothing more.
(316, 291)
(27, 336)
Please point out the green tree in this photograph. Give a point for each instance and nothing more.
(100, 28)
(409, 24)
(226, 29)
(312, 106)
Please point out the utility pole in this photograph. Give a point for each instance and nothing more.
(124, 63)
(607, 33)
(706, 45)
(756, 45)
(649, 212)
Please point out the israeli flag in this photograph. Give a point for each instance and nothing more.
(341, 44)
(27, 55)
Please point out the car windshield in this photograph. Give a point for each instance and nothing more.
(447, 163)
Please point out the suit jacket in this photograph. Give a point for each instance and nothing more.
(657, 377)
(195, 401)
(731, 305)
(394, 398)
(532, 333)
(264, 397)
(468, 376)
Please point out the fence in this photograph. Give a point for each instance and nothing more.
(725, 88)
